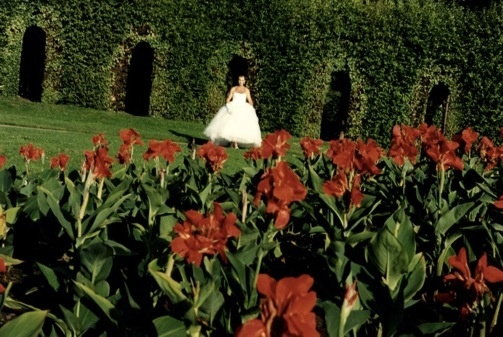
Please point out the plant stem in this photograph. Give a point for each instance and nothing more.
(496, 313)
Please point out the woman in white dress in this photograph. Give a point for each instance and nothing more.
(236, 122)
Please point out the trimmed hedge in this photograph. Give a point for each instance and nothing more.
(314, 67)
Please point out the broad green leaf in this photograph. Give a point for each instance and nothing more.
(315, 180)
(28, 324)
(105, 305)
(5, 181)
(167, 326)
(71, 320)
(205, 193)
(415, 277)
(56, 210)
(356, 319)
(103, 217)
(11, 214)
(387, 255)
(172, 288)
(97, 258)
(50, 276)
(435, 328)
(451, 217)
(332, 317)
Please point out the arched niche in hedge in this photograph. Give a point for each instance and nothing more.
(139, 79)
(437, 108)
(32, 64)
(335, 110)
(433, 100)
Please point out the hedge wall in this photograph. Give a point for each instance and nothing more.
(315, 67)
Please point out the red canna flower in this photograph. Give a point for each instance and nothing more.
(310, 146)
(215, 156)
(280, 186)
(403, 144)
(275, 145)
(165, 149)
(338, 185)
(29, 152)
(254, 153)
(3, 160)
(61, 161)
(467, 291)
(342, 152)
(99, 140)
(489, 153)
(499, 202)
(439, 149)
(98, 162)
(467, 138)
(199, 235)
(366, 157)
(286, 309)
(130, 137)
(3, 270)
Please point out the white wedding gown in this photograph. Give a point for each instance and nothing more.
(237, 122)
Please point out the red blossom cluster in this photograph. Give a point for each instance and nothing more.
(441, 150)
(97, 161)
(280, 186)
(3, 160)
(353, 159)
(200, 234)
(310, 146)
(214, 156)
(403, 144)
(286, 309)
(466, 139)
(255, 153)
(276, 145)
(60, 162)
(466, 291)
(490, 154)
(129, 138)
(29, 152)
(165, 148)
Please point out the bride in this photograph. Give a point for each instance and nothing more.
(236, 122)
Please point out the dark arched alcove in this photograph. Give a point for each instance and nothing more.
(31, 70)
(238, 66)
(437, 106)
(139, 80)
(335, 110)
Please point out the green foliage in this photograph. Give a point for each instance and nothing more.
(394, 53)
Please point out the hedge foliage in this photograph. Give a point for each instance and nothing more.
(315, 67)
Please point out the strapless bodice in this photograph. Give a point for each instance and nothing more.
(239, 97)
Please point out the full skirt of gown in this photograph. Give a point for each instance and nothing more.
(237, 122)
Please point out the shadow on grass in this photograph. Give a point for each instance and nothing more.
(189, 138)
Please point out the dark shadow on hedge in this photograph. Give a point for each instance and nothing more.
(32, 67)
(438, 106)
(238, 66)
(139, 80)
(335, 111)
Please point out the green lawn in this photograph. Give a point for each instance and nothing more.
(69, 129)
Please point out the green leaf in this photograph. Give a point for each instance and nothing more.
(356, 319)
(416, 277)
(452, 216)
(5, 181)
(97, 258)
(11, 214)
(332, 317)
(167, 326)
(105, 305)
(28, 324)
(50, 276)
(172, 288)
(435, 329)
(316, 181)
(71, 320)
(56, 210)
(387, 255)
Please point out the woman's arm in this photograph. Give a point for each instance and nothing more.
(229, 96)
(248, 97)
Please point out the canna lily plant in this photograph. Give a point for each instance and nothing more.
(342, 238)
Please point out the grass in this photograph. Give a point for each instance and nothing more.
(69, 129)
